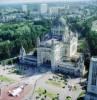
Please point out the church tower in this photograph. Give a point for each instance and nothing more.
(38, 52)
(38, 41)
(65, 34)
(22, 54)
(58, 26)
(52, 56)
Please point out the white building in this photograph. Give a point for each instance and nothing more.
(43, 8)
(24, 8)
(58, 49)
(56, 10)
(92, 80)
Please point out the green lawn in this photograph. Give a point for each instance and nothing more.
(6, 79)
(68, 98)
(56, 83)
(43, 92)
(82, 94)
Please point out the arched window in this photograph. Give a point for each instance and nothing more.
(65, 51)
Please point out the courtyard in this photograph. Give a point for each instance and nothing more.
(53, 84)
(44, 85)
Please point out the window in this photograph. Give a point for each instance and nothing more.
(92, 98)
(94, 74)
(65, 51)
(73, 48)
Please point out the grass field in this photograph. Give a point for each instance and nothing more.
(56, 83)
(6, 79)
(43, 92)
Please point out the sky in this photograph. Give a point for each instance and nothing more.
(23, 1)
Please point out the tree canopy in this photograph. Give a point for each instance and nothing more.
(13, 35)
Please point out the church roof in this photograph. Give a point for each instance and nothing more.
(50, 36)
(65, 35)
(48, 42)
(22, 51)
(59, 21)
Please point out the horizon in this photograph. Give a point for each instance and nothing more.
(38, 1)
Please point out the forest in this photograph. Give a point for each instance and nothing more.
(14, 35)
(83, 27)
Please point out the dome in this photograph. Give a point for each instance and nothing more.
(59, 21)
(62, 20)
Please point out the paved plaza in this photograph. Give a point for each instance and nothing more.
(38, 79)
(63, 92)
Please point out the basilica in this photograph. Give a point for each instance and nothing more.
(58, 49)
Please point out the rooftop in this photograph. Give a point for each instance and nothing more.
(49, 42)
(59, 21)
(94, 58)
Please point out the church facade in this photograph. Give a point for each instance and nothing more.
(58, 48)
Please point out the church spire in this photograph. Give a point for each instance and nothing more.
(22, 52)
(38, 41)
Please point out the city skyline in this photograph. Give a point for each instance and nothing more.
(48, 49)
(35, 1)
